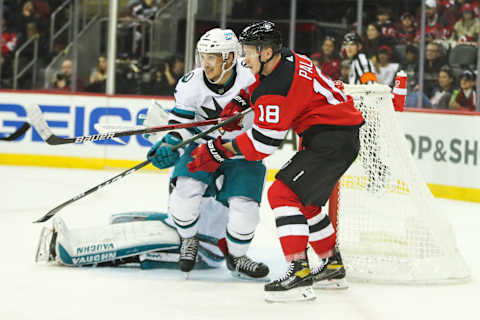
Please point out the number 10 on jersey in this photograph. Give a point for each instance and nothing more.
(269, 113)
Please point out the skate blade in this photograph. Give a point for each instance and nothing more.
(187, 275)
(332, 284)
(292, 295)
(244, 277)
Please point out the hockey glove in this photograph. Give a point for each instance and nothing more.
(161, 153)
(208, 157)
(236, 105)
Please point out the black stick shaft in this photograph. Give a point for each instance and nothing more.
(52, 212)
(21, 130)
(56, 140)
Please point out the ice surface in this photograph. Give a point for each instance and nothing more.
(33, 291)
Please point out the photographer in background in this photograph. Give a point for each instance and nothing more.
(63, 79)
(154, 82)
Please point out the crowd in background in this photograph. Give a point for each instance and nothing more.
(390, 40)
(451, 35)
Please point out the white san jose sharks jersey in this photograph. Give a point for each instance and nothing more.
(196, 99)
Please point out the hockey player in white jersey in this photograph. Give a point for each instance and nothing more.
(199, 95)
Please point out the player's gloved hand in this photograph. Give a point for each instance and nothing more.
(161, 153)
(236, 105)
(209, 156)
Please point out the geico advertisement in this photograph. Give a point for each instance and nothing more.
(446, 147)
(71, 116)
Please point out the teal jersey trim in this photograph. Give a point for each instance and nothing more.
(183, 112)
(231, 238)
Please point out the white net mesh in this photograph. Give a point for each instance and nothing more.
(390, 228)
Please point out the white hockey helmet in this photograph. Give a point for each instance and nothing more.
(223, 41)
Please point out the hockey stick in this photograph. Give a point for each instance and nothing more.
(220, 124)
(38, 121)
(21, 130)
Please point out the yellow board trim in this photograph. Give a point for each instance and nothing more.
(455, 193)
(68, 162)
(438, 190)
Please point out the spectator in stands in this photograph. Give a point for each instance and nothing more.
(476, 7)
(9, 37)
(436, 27)
(372, 41)
(451, 11)
(386, 70)
(316, 59)
(328, 60)
(174, 71)
(98, 76)
(468, 27)
(464, 98)
(387, 29)
(411, 100)
(407, 30)
(442, 93)
(42, 8)
(131, 29)
(411, 67)
(63, 79)
(8, 45)
(143, 9)
(433, 62)
(28, 54)
(159, 85)
(30, 14)
(31, 32)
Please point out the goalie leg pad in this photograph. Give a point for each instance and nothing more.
(90, 246)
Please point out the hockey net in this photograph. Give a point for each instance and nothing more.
(390, 227)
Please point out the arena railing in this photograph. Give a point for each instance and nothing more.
(30, 65)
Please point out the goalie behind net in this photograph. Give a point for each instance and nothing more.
(390, 228)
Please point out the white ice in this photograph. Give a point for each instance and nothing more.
(32, 291)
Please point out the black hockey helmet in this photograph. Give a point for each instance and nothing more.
(260, 34)
(351, 38)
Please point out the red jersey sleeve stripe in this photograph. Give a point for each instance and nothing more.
(337, 93)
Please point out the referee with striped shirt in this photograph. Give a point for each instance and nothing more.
(362, 70)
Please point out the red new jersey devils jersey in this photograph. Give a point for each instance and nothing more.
(295, 95)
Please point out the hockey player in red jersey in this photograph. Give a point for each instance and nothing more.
(291, 93)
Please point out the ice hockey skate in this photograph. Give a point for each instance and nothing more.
(330, 274)
(245, 268)
(295, 285)
(188, 254)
